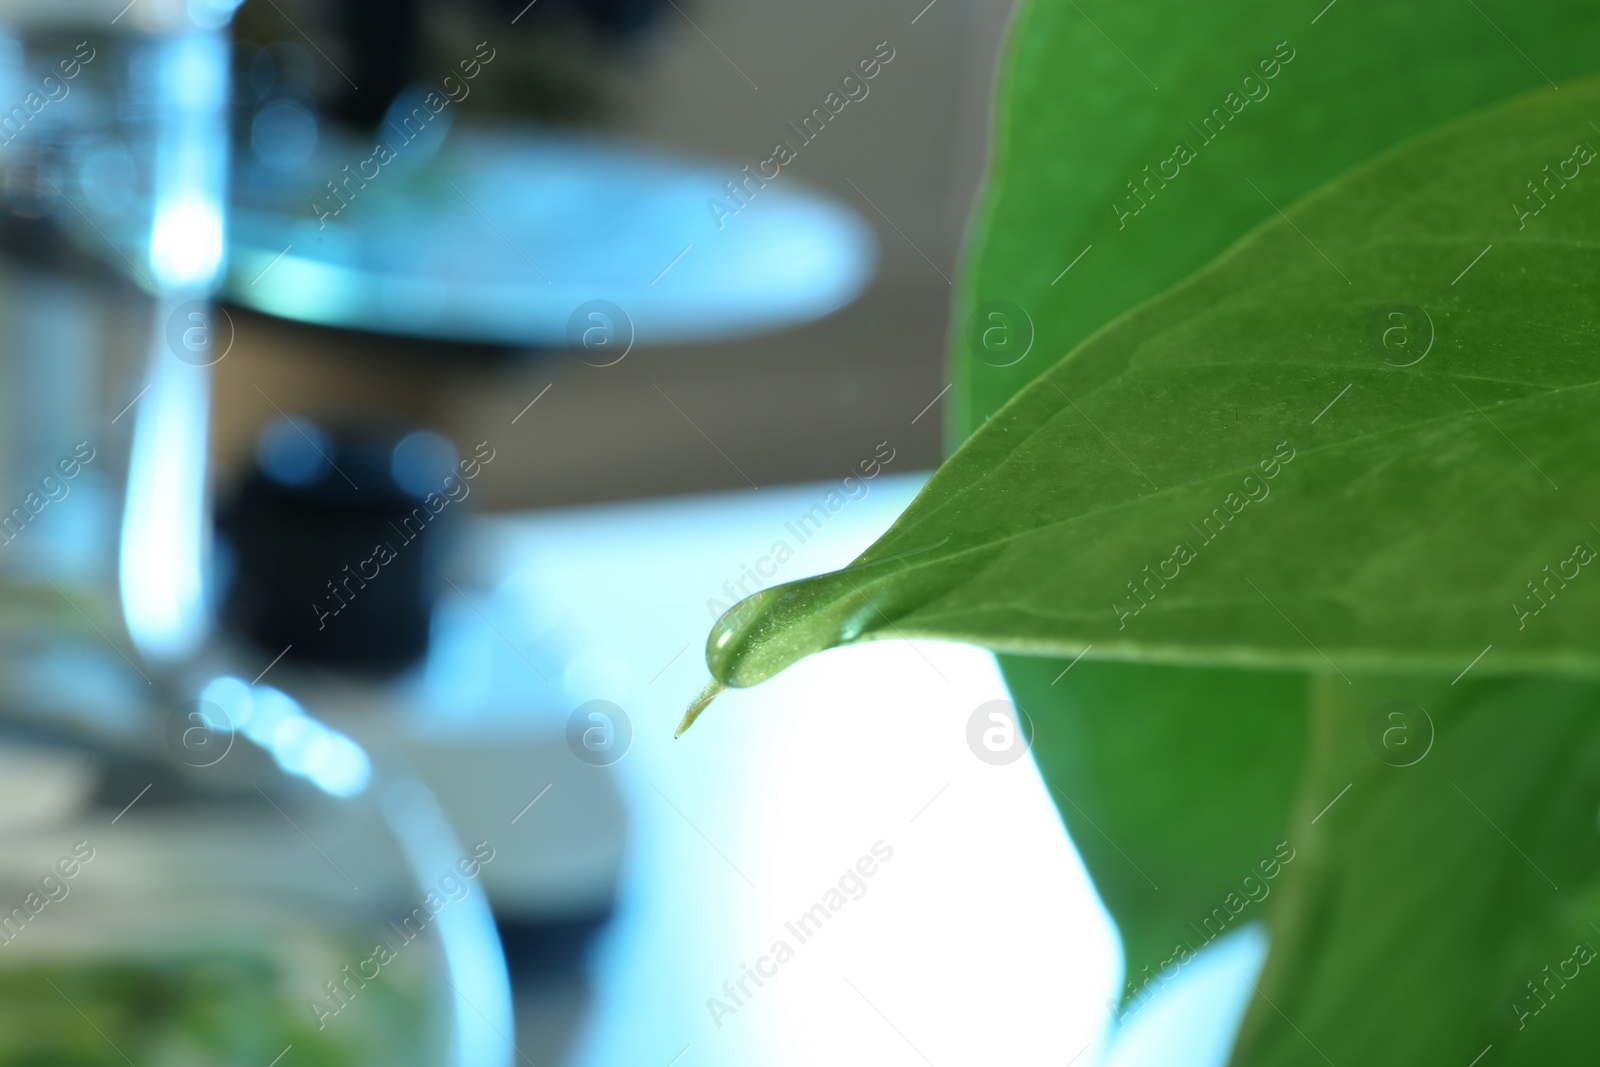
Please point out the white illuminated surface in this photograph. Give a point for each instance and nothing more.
(980, 941)
(186, 241)
(164, 523)
(186, 238)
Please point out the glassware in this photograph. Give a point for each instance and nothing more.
(113, 166)
(238, 884)
(192, 868)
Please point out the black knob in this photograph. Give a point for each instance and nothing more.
(336, 541)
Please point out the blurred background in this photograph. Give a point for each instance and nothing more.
(704, 89)
(394, 396)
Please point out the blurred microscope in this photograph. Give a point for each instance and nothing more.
(261, 744)
(421, 172)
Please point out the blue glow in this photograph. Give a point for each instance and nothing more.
(162, 549)
(412, 129)
(421, 462)
(186, 238)
(293, 451)
(211, 14)
(193, 68)
(109, 177)
(284, 135)
(161, 556)
(299, 744)
(232, 695)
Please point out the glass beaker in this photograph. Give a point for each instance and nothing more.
(191, 866)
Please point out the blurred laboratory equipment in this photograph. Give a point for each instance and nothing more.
(348, 571)
(193, 866)
(431, 220)
(337, 537)
(410, 208)
(230, 880)
(533, 239)
(112, 170)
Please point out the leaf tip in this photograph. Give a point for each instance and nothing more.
(702, 701)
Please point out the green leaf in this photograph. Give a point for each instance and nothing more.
(1080, 117)
(1425, 896)
(1241, 472)
(1372, 545)
(1076, 121)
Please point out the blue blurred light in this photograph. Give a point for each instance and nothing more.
(293, 452)
(414, 131)
(109, 177)
(211, 14)
(284, 135)
(421, 462)
(194, 71)
(299, 744)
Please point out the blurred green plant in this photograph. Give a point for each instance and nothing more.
(1323, 499)
(224, 1005)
